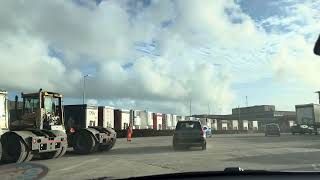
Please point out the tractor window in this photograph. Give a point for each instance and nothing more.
(31, 104)
(2, 106)
(50, 104)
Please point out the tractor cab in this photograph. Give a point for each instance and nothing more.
(42, 110)
(3, 110)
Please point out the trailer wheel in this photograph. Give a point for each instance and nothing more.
(14, 149)
(108, 146)
(83, 143)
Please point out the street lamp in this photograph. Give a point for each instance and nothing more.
(84, 88)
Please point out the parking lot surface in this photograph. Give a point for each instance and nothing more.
(154, 155)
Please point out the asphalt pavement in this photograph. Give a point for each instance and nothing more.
(154, 155)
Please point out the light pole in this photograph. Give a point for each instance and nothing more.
(84, 88)
(318, 92)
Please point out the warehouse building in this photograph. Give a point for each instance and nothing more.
(252, 118)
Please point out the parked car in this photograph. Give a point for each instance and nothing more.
(189, 133)
(272, 129)
(207, 130)
(301, 129)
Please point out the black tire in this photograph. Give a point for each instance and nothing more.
(0, 150)
(63, 151)
(84, 143)
(50, 155)
(14, 149)
(204, 146)
(29, 156)
(108, 146)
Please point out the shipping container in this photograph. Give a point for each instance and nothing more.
(80, 116)
(164, 121)
(150, 119)
(245, 124)
(214, 124)
(157, 121)
(146, 119)
(255, 125)
(135, 119)
(224, 125)
(309, 114)
(174, 121)
(181, 118)
(205, 121)
(121, 119)
(143, 119)
(106, 116)
(169, 121)
(235, 125)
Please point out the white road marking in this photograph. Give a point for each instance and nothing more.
(80, 164)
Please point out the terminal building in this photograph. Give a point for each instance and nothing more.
(252, 118)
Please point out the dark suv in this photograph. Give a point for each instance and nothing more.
(301, 129)
(272, 129)
(189, 133)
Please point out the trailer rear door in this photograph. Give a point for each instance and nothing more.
(91, 116)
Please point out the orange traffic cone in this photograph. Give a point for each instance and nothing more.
(129, 135)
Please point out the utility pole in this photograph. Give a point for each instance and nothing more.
(239, 113)
(239, 117)
(247, 101)
(318, 92)
(190, 107)
(84, 89)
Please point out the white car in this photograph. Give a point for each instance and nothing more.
(207, 130)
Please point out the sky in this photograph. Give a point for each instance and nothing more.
(160, 55)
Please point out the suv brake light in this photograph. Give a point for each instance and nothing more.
(201, 132)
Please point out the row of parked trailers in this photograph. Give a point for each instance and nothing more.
(120, 119)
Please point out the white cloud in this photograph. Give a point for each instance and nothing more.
(26, 66)
(93, 102)
(204, 48)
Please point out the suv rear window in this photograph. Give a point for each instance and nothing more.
(188, 125)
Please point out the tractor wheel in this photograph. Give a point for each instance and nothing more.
(0, 150)
(108, 146)
(50, 155)
(84, 143)
(14, 149)
(63, 151)
(54, 154)
(29, 156)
